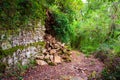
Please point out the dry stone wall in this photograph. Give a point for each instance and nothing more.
(22, 46)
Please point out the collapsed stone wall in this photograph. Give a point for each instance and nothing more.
(21, 47)
(54, 53)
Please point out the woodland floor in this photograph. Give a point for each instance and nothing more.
(79, 69)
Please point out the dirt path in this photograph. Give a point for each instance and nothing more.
(79, 69)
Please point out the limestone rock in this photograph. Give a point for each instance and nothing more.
(49, 48)
(6, 45)
(59, 43)
(51, 58)
(24, 61)
(66, 58)
(39, 56)
(10, 60)
(53, 51)
(63, 44)
(53, 41)
(41, 62)
(56, 46)
(44, 50)
(47, 56)
(24, 45)
(46, 53)
(57, 59)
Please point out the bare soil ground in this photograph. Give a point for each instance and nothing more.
(80, 68)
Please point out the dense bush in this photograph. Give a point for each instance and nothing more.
(112, 70)
(98, 29)
(65, 15)
(18, 13)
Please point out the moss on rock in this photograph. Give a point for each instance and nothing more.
(4, 53)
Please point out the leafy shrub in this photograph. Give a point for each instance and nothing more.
(112, 70)
(18, 13)
(98, 28)
(64, 16)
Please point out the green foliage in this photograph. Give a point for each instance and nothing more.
(98, 27)
(64, 16)
(99, 32)
(18, 13)
(112, 70)
(62, 27)
(4, 53)
(41, 43)
(87, 29)
(111, 76)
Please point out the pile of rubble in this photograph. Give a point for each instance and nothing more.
(54, 53)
